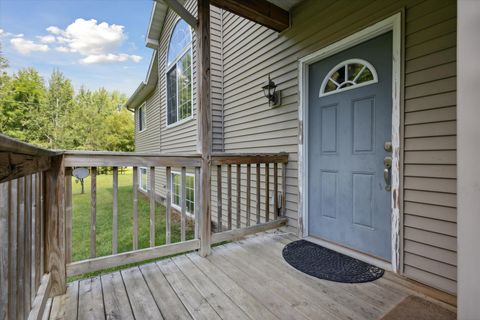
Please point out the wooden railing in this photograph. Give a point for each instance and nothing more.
(37, 211)
(158, 166)
(29, 268)
(233, 214)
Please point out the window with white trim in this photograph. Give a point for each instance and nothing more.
(177, 191)
(142, 121)
(347, 75)
(142, 178)
(179, 74)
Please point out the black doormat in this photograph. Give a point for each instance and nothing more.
(327, 264)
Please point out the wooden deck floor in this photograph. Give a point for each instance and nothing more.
(247, 279)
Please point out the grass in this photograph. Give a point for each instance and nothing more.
(82, 215)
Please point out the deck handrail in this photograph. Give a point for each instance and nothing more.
(36, 210)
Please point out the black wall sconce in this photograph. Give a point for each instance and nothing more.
(270, 92)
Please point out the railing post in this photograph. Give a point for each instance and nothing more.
(55, 226)
(204, 122)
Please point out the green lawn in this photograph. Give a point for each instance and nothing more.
(82, 212)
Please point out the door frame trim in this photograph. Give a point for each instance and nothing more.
(394, 24)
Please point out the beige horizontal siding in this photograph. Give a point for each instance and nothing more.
(251, 52)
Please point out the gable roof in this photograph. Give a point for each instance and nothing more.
(145, 87)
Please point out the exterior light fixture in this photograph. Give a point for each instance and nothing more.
(269, 91)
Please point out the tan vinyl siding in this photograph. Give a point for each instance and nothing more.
(251, 52)
(183, 137)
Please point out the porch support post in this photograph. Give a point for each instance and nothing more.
(204, 122)
(55, 262)
(468, 155)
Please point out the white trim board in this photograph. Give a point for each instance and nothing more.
(394, 24)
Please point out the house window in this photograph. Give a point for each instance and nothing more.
(179, 74)
(141, 118)
(348, 75)
(177, 191)
(143, 179)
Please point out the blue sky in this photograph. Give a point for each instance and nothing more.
(96, 43)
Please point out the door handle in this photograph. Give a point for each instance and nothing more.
(387, 173)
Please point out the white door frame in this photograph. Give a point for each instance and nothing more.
(392, 23)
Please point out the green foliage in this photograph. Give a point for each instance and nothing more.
(54, 117)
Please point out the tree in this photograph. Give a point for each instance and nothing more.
(21, 101)
(58, 105)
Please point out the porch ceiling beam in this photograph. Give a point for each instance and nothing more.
(182, 12)
(259, 11)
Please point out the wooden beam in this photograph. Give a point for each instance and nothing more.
(153, 206)
(204, 123)
(41, 298)
(245, 158)
(115, 211)
(124, 258)
(135, 208)
(260, 11)
(14, 165)
(93, 213)
(182, 12)
(125, 159)
(68, 214)
(55, 226)
(240, 233)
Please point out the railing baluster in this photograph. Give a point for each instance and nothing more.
(21, 247)
(38, 230)
(267, 192)
(4, 249)
(13, 249)
(115, 211)
(219, 199)
(239, 172)
(258, 192)
(229, 197)
(275, 191)
(135, 208)
(183, 199)
(68, 214)
(28, 245)
(168, 211)
(284, 189)
(248, 193)
(197, 202)
(152, 206)
(34, 236)
(93, 219)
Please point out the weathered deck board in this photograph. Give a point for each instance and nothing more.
(195, 303)
(141, 300)
(90, 301)
(242, 280)
(167, 300)
(115, 297)
(65, 306)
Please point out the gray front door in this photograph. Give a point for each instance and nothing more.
(349, 121)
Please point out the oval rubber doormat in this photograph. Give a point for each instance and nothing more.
(327, 264)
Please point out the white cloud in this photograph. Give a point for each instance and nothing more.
(27, 46)
(46, 39)
(96, 42)
(62, 49)
(108, 58)
(5, 34)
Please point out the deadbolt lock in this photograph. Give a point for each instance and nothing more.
(388, 146)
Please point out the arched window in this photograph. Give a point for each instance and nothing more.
(349, 74)
(179, 74)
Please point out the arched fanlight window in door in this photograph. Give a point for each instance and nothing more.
(349, 74)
